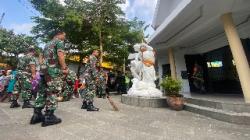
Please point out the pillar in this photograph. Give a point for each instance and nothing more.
(239, 55)
(172, 63)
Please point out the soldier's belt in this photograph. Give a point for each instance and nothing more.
(43, 66)
(52, 65)
(24, 72)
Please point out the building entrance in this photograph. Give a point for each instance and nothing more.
(191, 60)
(219, 70)
(222, 73)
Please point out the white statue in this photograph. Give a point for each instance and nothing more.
(143, 71)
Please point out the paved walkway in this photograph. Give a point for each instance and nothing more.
(130, 123)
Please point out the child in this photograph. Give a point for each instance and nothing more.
(82, 87)
(76, 86)
(35, 82)
(1, 83)
(101, 83)
(11, 86)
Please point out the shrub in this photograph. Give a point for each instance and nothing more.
(171, 86)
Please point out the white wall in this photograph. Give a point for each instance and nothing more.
(180, 66)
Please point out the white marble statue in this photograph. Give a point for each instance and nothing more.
(143, 71)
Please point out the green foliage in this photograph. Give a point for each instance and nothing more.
(11, 45)
(84, 21)
(171, 86)
(104, 14)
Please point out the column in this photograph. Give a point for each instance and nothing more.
(172, 63)
(239, 55)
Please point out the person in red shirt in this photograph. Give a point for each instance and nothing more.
(76, 86)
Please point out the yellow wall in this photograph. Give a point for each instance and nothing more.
(107, 65)
(3, 65)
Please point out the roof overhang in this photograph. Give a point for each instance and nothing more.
(193, 22)
(165, 8)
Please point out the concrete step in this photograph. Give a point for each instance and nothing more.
(219, 114)
(227, 106)
(144, 101)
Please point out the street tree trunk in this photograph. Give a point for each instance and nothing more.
(101, 46)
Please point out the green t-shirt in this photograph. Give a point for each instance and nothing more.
(127, 80)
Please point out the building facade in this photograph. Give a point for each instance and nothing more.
(212, 33)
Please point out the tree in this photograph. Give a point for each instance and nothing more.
(70, 18)
(123, 40)
(88, 24)
(11, 45)
(105, 16)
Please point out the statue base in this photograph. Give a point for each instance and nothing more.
(153, 102)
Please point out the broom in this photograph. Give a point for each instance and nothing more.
(112, 103)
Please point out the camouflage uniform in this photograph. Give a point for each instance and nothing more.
(82, 89)
(101, 84)
(90, 75)
(17, 89)
(69, 85)
(24, 78)
(53, 73)
(41, 94)
(51, 79)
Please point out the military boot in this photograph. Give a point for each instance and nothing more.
(50, 119)
(84, 105)
(26, 104)
(14, 104)
(66, 98)
(99, 96)
(37, 116)
(91, 107)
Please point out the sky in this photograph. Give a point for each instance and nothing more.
(18, 13)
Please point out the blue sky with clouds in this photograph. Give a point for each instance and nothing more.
(18, 13)
(143, 9)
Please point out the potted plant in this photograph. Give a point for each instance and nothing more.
(172, 88)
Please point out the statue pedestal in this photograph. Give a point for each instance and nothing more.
(154, 102)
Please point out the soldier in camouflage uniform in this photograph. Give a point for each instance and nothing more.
(101, 83)
(53, 69)
(26, 72)
(82, 88)
(41, 94)
(90, 75)
(69, 85)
